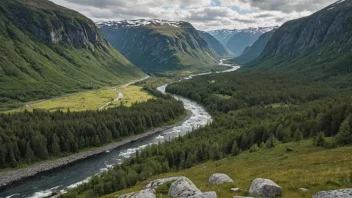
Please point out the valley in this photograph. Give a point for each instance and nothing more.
(146, 99)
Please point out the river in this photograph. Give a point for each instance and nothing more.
(59, 180)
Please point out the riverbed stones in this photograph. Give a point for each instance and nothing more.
(219, 178)
(341, 193)
(265, 188)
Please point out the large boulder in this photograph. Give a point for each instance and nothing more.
(183, 187)
(140, 194)
(265, 188)
(210, 194)
(219, 178)
(342, 193)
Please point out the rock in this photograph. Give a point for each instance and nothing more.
(241, 197)
(342, 193)
(264, 187)
(140, 194)
(304, 189)
(158, 182)
(219, 178)
(235, 189)
(183, 187)
(211, 194)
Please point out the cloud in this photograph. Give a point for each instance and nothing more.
(203, 14)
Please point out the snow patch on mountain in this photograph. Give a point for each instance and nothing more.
(139, 22)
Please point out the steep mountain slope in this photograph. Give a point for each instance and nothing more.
(238, 39)
(320, 44)
(158, 45)
(215, 45)
(47, 50)
(252, 52)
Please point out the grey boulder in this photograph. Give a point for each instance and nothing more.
(158, 182)
(264, 187)
(140, 194)
(219, 178)
(184, 188)
(341, 193)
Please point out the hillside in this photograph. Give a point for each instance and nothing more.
(215, 45)
(319, 45)
(47, 50)
(158, 45)
(252, 52)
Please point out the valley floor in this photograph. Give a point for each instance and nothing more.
(306, 166)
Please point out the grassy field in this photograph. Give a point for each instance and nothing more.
(306, 166)
(131, 94)
(81, 101)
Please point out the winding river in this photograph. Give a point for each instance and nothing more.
(45, 184)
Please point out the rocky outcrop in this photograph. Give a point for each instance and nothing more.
(152, 186)
(140, 194)
(184, 188)
(264, 187)
(342, 193)
(219, 178)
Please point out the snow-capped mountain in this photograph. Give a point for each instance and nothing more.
(238, 39)
(139, 22)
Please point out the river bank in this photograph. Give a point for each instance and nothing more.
(8, 178)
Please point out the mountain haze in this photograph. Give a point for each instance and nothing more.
(252, 52)
(158, 45)
(219, 48)
(47, 50)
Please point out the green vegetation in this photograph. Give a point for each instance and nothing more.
(39, 59)
(82, 101)
(306, 166)
(34, 136)
(264, 111)
(131, 95)
(164, 47)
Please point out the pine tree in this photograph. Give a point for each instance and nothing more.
(344, 136)
(320, 140)
(235, 150)
(298, 136)
(29, 153)
(55, 145)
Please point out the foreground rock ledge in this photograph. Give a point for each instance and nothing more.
(265, 188)
(342, 193)
(10, 177)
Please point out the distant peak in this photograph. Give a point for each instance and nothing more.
(139, 22)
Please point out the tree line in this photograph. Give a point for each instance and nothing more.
(33, 136)
(261, 111)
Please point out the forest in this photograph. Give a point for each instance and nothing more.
(34, 136)
(250, 110)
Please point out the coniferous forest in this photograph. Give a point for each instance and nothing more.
(33, 136)
(246, 116)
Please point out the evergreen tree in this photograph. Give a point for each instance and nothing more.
(55, 145)
(344, 136)
(29, 153)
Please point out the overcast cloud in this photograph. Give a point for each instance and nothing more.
(203, 14)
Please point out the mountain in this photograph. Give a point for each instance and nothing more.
(47, 50)
(214, 44)
(159, 45)
(243, 38)
(252, 52)
(238, 39)
(320, 44)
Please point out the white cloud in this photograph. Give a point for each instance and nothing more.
(203, 14)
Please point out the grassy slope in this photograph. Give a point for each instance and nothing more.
(30, 69)
(131, 95)
(306, 166)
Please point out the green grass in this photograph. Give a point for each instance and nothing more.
(131, 94)
(32, 68)
(306, 166)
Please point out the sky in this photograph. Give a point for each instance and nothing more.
(203, 14)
